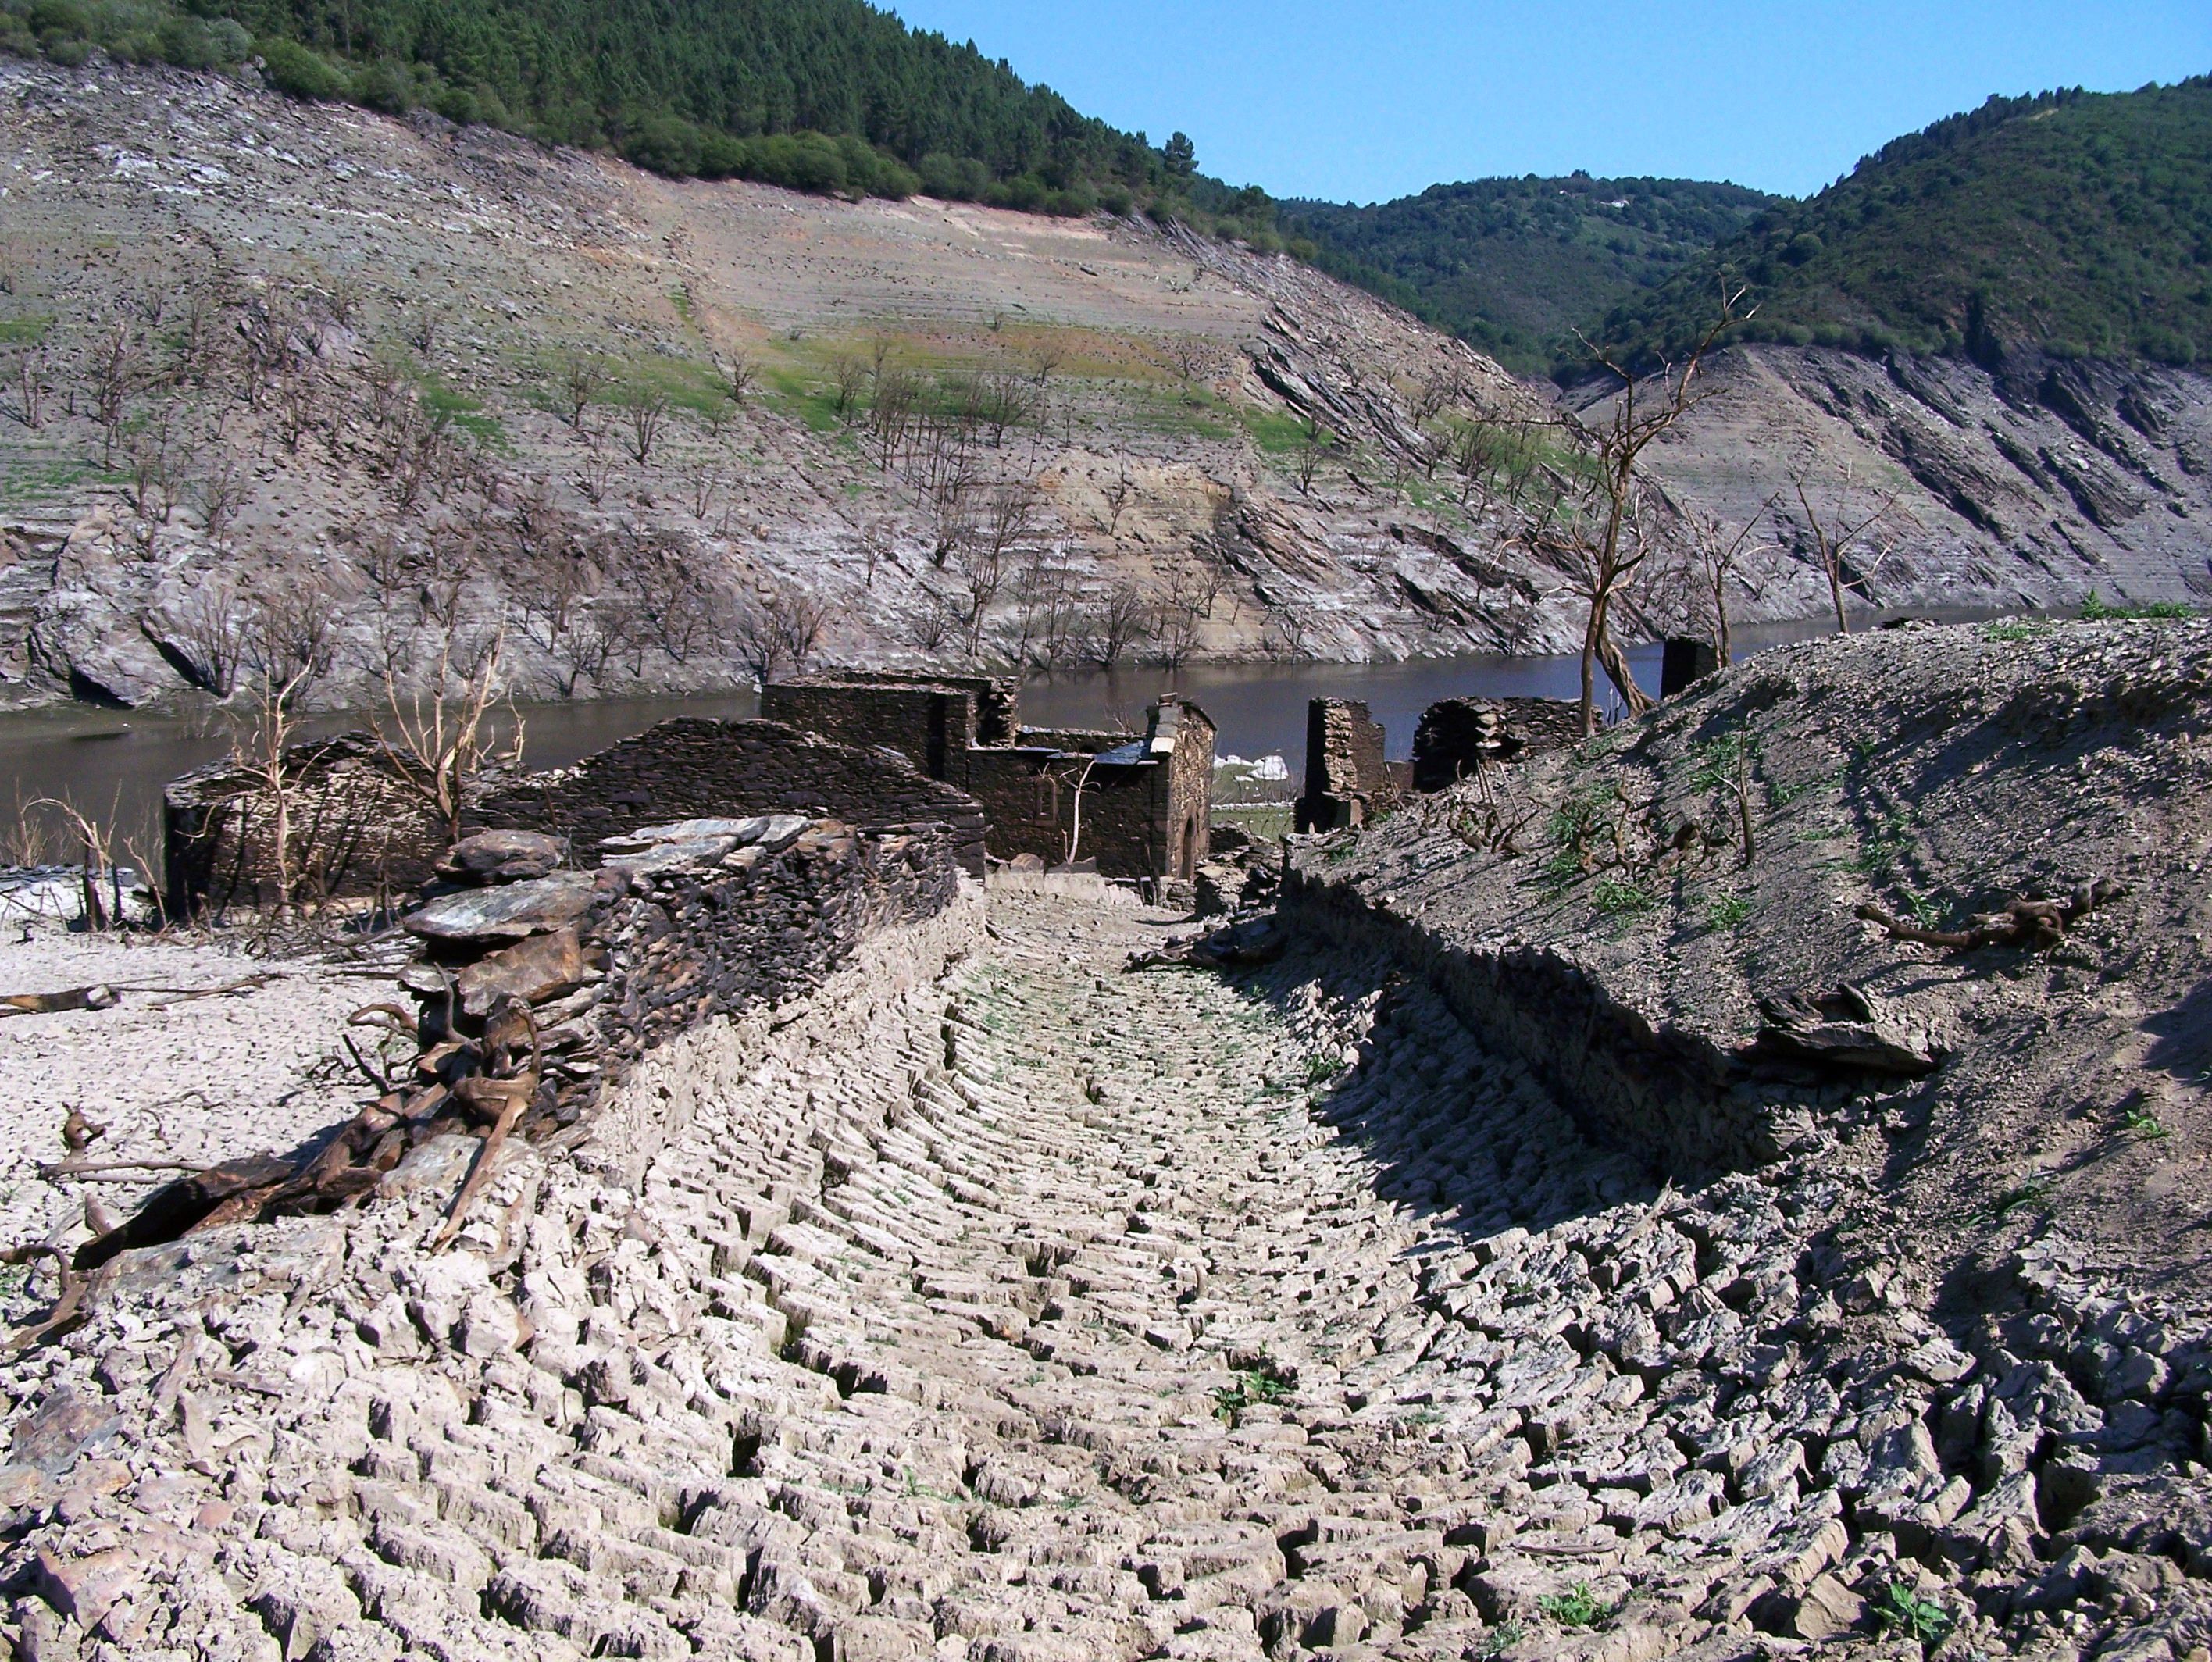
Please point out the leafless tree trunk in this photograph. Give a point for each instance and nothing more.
(646, 410)
(582, 379)
(1118, 622)
(439, 725)
(117, 370)
(1598, 533)
(221, 492)
(742, 373)
(31, 386)
(1720, 555)
(211, 628)
(1834, 532)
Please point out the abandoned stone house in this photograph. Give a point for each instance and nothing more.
(1139, 804)
(1350, 781)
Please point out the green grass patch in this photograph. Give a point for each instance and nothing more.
(1615, 898)
(2096, 610)
(1727, 913)
(1275, 434)
(2014, 630)
(41, 482)
(24, 331)
(448, 408)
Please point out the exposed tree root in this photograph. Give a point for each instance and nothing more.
(2038, 925)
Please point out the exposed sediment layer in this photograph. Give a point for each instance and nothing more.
(991, 1303)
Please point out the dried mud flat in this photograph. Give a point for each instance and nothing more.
(207, 1054)
(1000, 1303)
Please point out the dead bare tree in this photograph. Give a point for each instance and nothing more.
(1314, 443)
(1598, 531)
(220, 493)
(1047, 609)
(848, 377)
(152, 473)
(647, 410)
(286, 649)
(32, 387)
(1835, 531)
(1045, 357)
(1717, 556)
(211, 633)
(116, 372)
(439, 723)
(740, 374)
(778, 631)
(1117, 621)
(983, 550)
(580, 381)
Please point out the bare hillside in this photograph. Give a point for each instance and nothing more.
(301, 385)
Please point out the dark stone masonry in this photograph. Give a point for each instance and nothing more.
(1137, 804)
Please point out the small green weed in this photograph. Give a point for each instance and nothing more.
(1250, 1387)
(1901, 1611)
(1320, 1069)
(2136, 1118)
(1785, 794)
(1499, 1640)
(1577, 1607)
(2021, 1194)
(1614, 899)
(1715, 764)
(1727, 913)
(2015, 630)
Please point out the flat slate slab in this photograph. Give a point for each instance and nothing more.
(509, 914)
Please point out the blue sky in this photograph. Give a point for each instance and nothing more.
(1362, 102)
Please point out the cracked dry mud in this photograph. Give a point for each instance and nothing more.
(1028, 1310)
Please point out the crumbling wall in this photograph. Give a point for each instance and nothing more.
(1669, 1097)
(357, 827)
(1456, 735)
(1348, 781)
(1029, 796)
(692, 767)
(1190, 794)
(538, 987)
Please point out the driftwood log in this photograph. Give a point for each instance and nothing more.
(2038, 925)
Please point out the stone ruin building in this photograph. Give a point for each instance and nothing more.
(1145, 799)
(879, 753)
(1350, 781)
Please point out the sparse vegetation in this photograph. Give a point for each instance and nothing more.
(1727, 912)
(1615, 898)
(1263, 1382)
(1577, 1607)
(2096, 610)
(1904, 1613)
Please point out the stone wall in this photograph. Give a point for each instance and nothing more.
(691, 768)
(357, 828)
(929, 717)
(1144, 816)
(538, 987)
(1348, 781)
(1456, 734)
(1668, 1097)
